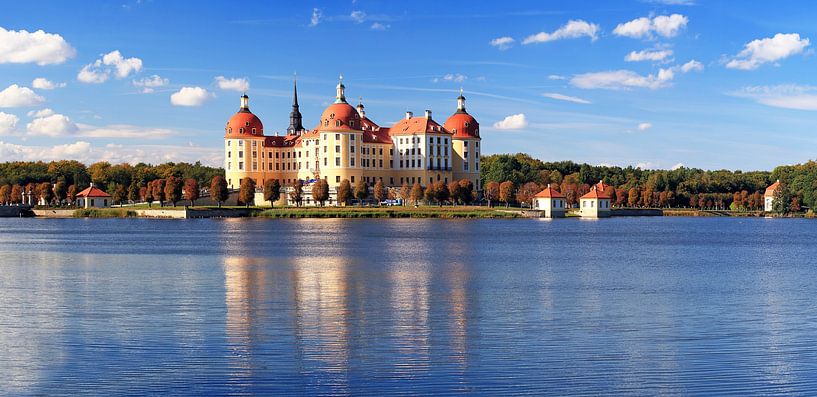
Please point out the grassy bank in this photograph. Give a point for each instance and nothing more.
(104, 213)
(387, 212)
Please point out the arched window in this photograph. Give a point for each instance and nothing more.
(241, 130)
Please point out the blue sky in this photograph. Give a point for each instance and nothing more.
(652, 83)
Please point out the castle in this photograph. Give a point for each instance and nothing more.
(347, 144)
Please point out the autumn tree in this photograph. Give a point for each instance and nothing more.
(633, 197)
(345, 192)
(120, 194)
(191, 190)
(218, 190)
(430, 193)
(492, 192)
(361, 191)
(405, 193)
(466, 189)
(71, 196)
(272, 191)
(45, 192)
(297, 193)
(621, 197)
(246, 192)
(506, 193)
(320, 191)
(440, 192)
(16, 194)
(173, 189)
(526, 193)
(147, 196)
(454, 192)
(60, 192)
(5, 194)
(159, 191)
(417, 193)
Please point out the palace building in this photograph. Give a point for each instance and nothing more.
(347, 144)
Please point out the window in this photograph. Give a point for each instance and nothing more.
(241, 130)
(241, 154)
(240, 143)
(381, 151)
(253, 132)
(324, 149)
(465, 143)
(229, 154)
(351, 149)
(337, 161)
(353, 179)
(381, 163)
(337, 179)
(325, 160)
(240, 165)
(337, 137)
(337, 148)
(254, 154)
(254, 166)
(276, 155)
(352, 137)
(352, 161)
(337, 123)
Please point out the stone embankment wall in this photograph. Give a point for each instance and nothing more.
(636, 212)
(54, 213)
(14, 211)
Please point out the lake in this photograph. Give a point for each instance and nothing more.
(408, 306)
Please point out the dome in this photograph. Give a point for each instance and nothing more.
(462, 125)
(244, 124)
(340, 116)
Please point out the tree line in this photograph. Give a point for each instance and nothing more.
(516, 178)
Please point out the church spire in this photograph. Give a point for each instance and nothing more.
(461, 103)
(295, 119)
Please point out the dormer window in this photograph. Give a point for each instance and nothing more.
(337, 123)
(241, 130)
(247, 124)
(253, 131)
(466, 124)
(351, 123)
(326, 123)
(332, 116)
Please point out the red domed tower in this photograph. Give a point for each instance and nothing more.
(243, 146)
(466, 141)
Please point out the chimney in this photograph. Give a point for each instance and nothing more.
(428, 114)
(92, 184)
(409, 115)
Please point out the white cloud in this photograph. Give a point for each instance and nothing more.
(149, 84)
(112, 63)
(503, 43)
(41, 83)
(53, 125)
(40, 113)
(644, 27)
(571, 30)
(771, 49)
(8, 123)
(648, 55)
(92, 74)
(358, 16)
(15, 96)
(677, 166)
(644, 126)
(622, 80)
(20, 46)
(556, 77)
(789, 96)
(379, 26)
(190, 96)
(692, 65)
(124, 66)
(123, 131)
(87, 153)
(512, 122)
(458, 78)
(236, 84)
(316, 17)
(561, 97)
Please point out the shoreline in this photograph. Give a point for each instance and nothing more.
(445, 212)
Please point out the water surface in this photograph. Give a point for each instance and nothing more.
(336, 307)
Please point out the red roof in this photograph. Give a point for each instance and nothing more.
(340, 112)
(549, 192)
(595, 193)
(242, 124)
(462, 125)
(770, 190)
(602, 186)
(417, 125)
(93, 192)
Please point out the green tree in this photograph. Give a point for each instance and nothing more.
(133, 192)
(781, 203)
(60, 191)
(120, 194)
